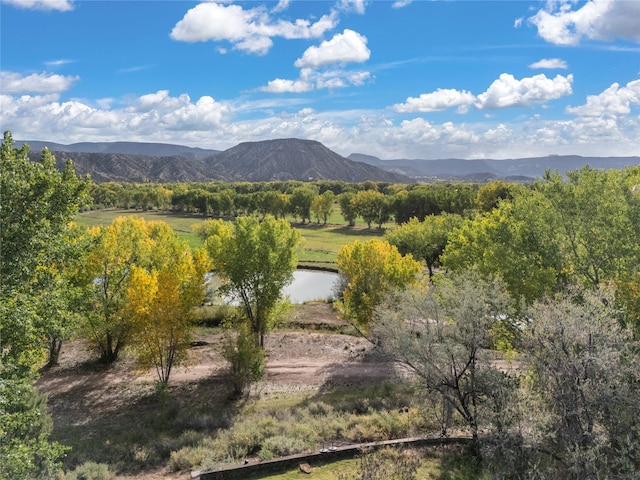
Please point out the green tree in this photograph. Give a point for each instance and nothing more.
(372, 206)
(345, 200)
(371, 270)
(425, 240)
(160, 302)
(300, 202)
(491, 193)
(596, 217)
(515, 241)
(36, 206)
(255, 260)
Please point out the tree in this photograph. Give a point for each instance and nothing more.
(515, 241)
(425, 240)
(371, 270)
(596, 217)
(255, 260)
(491, 193)
(322, 206)
(441, 334)
(585, 369)
(160, 300)
(300, 202)
(345, 200)
(116, 250)
(372, 206)
(37, 204)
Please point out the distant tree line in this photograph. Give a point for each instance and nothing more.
(374, 203)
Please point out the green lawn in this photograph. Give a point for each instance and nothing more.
(320, 246)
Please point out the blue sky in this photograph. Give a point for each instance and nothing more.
(394, 79)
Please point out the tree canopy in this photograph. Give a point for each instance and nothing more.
(255, 260)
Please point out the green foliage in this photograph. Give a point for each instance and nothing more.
(37, 204)
(515, 241)
(246, 360)
(25, 426)
(255, 260)
(426, 239)
(386, 464)
(90, 471)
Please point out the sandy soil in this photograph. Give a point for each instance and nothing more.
(298, 361)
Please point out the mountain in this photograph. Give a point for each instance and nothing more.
(283, 159)
(521, 169)
(294, 159)
(124, 148)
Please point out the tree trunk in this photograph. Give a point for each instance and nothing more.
(55, 345)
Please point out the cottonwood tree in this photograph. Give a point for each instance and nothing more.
(38, 202)
(516, 241)
(160, 301)
(371, 270)
(117, 248)
(347, 209)
(441, 334)
(322, 206)
(255, 260)
(426, 239)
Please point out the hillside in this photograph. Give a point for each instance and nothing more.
(294, 159)
(520, 169)
(283, 159)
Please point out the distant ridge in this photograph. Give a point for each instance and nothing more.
(521, 169)
(296, 159)
(282, 159)
(125, 148)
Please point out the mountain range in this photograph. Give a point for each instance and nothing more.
(294, 159)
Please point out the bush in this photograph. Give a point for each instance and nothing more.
(246, 361)
(91, 471)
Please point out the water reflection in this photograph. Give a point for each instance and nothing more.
(311, 285)
(307, 285)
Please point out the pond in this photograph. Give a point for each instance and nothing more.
(307, 285)
(311, 285)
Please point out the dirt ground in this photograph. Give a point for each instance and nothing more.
(298, 360)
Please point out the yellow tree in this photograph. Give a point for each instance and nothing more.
(116, 249)
(160, 301)
(372, 269)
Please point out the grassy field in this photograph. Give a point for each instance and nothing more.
(320, 246)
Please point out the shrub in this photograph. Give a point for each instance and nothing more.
(91, 471)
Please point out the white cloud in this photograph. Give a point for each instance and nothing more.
(549, 63)
(250, 30)
(507, 91)
(58, 63)
(313, 80)
(517, 23)
(614, 101)
(357, 6)
(43, 5)
(345, 47)
(401, 3)
(441, 99)
(602, 20)
(280, 85)
(162, 117)
(13, 83)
